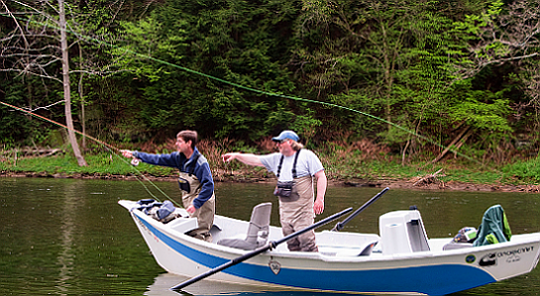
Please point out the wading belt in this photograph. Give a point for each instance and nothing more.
(294, 164)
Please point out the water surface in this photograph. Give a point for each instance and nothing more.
(70, 237)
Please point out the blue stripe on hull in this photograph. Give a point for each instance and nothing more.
(431, 280)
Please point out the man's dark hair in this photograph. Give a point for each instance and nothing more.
(188, 135)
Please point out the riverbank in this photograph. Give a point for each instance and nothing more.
(342, 169)
(411, 184)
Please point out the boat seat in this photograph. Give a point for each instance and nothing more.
(368, 249)
(455, 245)
(257, 233)
(215, 230)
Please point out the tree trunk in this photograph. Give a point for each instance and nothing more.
(81, 96)
(67, 91)
(460, 136)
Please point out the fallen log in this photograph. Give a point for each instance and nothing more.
(33, 152)
(461, 137)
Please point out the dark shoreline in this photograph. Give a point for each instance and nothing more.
(392, 183)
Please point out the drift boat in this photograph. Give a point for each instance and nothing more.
(401, 259)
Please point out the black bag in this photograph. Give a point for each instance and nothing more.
(184, 185)
(284, 189)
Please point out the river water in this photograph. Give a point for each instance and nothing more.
(70, 237)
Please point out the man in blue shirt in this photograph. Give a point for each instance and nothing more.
(195, 180)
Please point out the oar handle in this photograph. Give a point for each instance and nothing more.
(341, 224)
(258, 251)
(313, 226)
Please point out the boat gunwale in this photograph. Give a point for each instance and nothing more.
(225, 251)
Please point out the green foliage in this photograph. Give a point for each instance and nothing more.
(149, 41)
(483, 110)
(100, 164)
(526, 171)
(476, 176)
(19, 128)
(392, 64)
(205, 39)
(341, 161)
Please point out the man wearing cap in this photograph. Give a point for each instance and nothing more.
(295, 169)
(195, 180)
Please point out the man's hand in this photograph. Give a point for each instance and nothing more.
(127, 153)
(191, 209)
(227, 157)
(247, 158)
(318, 206)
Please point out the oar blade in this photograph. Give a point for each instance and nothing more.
(235, 261)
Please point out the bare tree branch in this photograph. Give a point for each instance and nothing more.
(510, 37)
(16, 22)
(44, 107)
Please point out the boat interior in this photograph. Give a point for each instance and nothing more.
(400, 232)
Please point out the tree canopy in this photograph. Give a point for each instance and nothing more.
(397, 72)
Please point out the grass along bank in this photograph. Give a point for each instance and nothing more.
(343, 165)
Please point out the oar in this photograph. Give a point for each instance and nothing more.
(269, 246)
(341, 224)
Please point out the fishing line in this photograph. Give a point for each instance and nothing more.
(110, 147)
(95, 40)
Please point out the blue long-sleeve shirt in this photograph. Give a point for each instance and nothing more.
(178, 160)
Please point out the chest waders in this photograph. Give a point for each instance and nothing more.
(190, 188)
(296, 212)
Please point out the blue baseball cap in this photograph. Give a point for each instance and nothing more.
(286, 135)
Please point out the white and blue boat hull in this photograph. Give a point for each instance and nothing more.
(336, 267)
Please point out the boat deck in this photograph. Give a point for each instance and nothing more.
(342, 244)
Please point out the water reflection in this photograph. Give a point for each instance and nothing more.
(70, 237)
(66, 256)
(163, 283)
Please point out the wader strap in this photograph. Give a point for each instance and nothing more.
(294, 165)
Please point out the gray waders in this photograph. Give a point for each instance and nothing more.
(296, 210)
(190, 188)
(296, 213)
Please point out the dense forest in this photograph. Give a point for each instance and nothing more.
(413, 76)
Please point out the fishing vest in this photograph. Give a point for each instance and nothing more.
(190, 187)
(186, 179)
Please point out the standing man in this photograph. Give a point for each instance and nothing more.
(195, 180)
(295, 168)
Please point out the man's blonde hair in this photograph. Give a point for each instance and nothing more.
(295, 145)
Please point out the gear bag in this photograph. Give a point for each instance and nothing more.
(285, 188)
